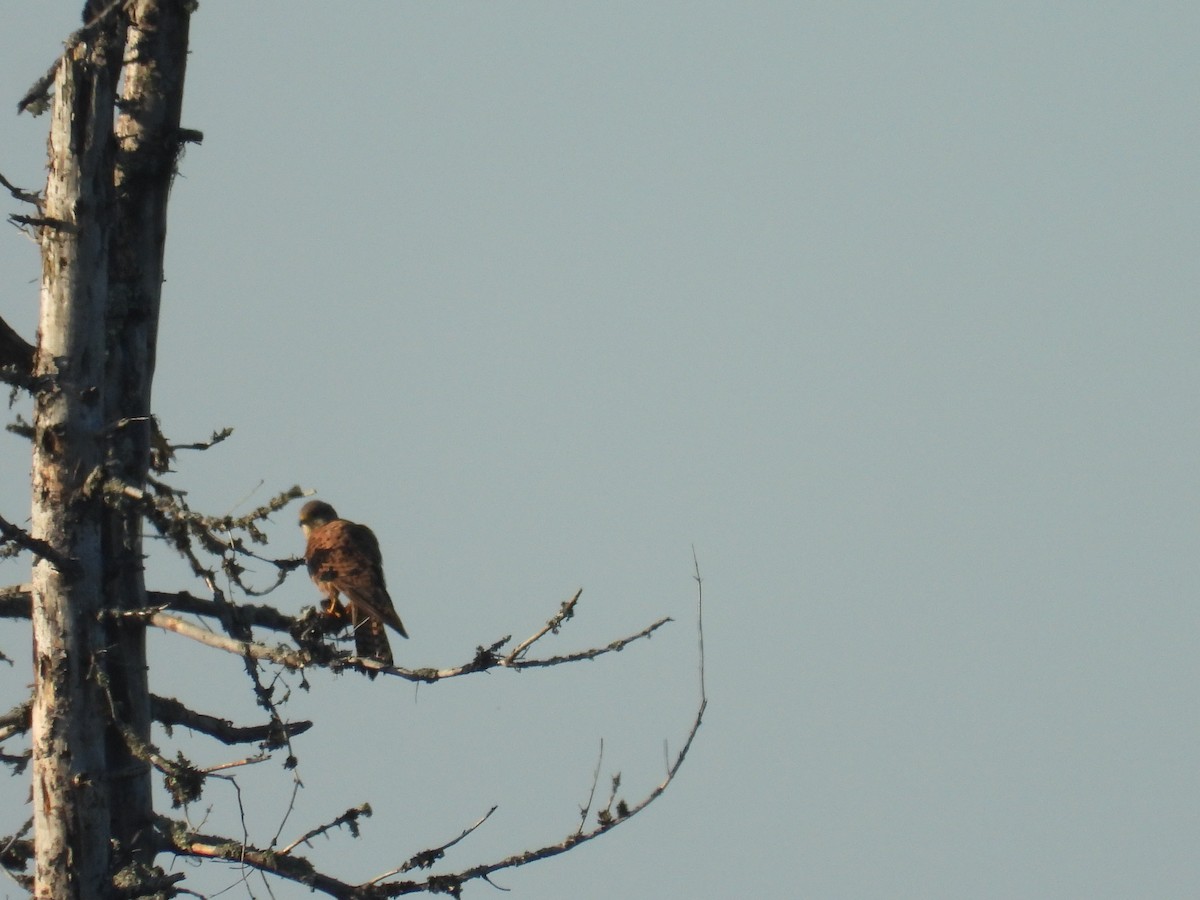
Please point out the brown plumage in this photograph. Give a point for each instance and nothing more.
(343, 559)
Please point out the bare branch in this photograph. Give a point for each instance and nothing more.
(236, 764)
(16, 353)
(10, 532)
(313, 624)
(256, 615)
(15, 855)
(171, 712)
(19, 426)
(15, 601)
(217, 437)
(162, 451)
(16, 720)
(37, 98)
(614, 647)
(18, 761)
(699, 617)
(587, 807)
(193, 534)
(263, 693)
(51, 223)
(16, 376)
(178, 838)
(14, 604)
(292, 659)
(30, 197)
(349, 818)
(310, 628)
(486, 659)
(565, 612)
(426, 858)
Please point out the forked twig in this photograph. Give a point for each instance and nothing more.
(587, 807)
(565, 612)
(349, 818)
(426, 858)
(613, 647)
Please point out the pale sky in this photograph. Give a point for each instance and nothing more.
(889, 310)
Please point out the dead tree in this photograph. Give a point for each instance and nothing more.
(100, 470)
(70, 806)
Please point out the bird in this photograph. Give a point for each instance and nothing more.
(343, 559)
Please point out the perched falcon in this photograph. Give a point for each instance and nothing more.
(343, 558)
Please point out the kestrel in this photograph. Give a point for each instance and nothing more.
(343, 558)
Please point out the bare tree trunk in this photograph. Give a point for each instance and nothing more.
(148, 141)
(70, 775)
(102, 248)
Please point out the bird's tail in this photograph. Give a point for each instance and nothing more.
(378, 605)
(370, 638)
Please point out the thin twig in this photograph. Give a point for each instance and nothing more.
(699, 618)
(587, 807)
(614, 647)
(296, 785)
(10, 532)
(349, 818)
(565, 612)
(426, 858)
(237, 763)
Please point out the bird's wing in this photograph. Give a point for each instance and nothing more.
(343, 557)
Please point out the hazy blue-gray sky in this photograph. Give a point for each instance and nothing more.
(889, 309)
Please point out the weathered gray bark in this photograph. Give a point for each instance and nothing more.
(147, 132)
(70, 783)
(102, 249)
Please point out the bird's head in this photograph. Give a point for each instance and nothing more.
(316, 513)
